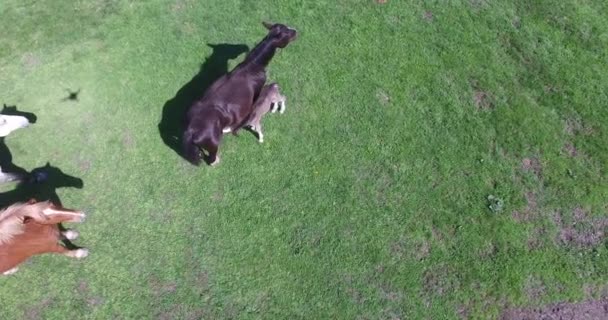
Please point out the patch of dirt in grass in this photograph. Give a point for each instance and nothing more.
(516, 22)
(201, 282)
(178, 6)
(35, 310)
(160, 288)
(85, 292)
(83, 164)
(531, 201)
(535, 289)
(463, 311)
(398, 248)
(439, 281)
(404, 248)
(182, 311)
(218, 195)
(570, 149)
(483, 100)
(391, 314)
(424, 250)
(187, 28)
(128, 140)
(383, 97)
(574, 125)
(588, 310)
(437, 234)
(533, 165)
(593, 291)
(304, 239)
(428, 16)
(530, 211)
(488, 251)
(350, 287)
(478, 3)
(535, 240)
(374, 184)
(583, 231)
(30, 61)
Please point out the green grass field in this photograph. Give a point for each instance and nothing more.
(369, 198)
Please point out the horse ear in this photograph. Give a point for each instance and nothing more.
(48, 165)
(268, 25)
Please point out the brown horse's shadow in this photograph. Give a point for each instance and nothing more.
(41, 184)
(172, 123)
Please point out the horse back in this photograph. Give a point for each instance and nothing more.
(233, 95)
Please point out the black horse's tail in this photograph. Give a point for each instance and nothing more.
(192, 152)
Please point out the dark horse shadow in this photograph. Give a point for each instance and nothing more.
(172, 124)
(41, 184)
(6, 158)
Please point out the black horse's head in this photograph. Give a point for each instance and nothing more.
(280, 34)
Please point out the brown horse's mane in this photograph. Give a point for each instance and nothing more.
(11, 219)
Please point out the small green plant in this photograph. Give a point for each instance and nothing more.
(496, 205)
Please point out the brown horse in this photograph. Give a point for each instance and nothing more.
(270, 100)
(32, 228)
(228, 102)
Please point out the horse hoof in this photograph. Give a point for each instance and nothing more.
(71, 234)
(216, 162)
(11, 271)
(81, 253)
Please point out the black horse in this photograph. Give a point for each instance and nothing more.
(227, 104)
(172, 124)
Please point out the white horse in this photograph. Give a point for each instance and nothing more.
(9, 124)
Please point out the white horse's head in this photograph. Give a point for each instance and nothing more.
(9, 124)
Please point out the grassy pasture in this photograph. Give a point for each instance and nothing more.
(369, 198)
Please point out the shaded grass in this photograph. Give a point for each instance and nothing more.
(329, 217)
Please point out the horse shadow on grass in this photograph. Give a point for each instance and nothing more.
(41, 184)
(172, 123)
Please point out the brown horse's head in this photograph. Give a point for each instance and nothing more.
(50, 213)
(280, 34)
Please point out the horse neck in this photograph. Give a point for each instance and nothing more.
(261, 55)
